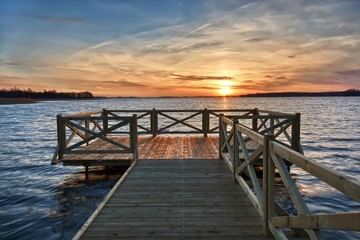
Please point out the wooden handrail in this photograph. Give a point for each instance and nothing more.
(235, 152)
(149, 121)
(84, 114)
(341, 182)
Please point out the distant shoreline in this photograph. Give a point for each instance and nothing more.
(347, 93)
(356, 93)
(6, 101)
(11, 101)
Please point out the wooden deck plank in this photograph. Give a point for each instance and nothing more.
(160, 147)
(178, 199)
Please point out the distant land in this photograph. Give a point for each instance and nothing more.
(45, 94)
(347, 93)
(17, 96)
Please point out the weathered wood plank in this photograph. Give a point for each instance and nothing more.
(338, 221)
(180, 198)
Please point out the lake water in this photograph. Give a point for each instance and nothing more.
(41, 201)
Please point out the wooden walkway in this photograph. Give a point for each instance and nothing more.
(177, 199)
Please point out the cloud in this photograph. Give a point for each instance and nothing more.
(65, 20)
(199, 78)
(9, 78)
(196, 46)
(12, 64)
(123, 83)
(351, 72)
(263, 85)
(255, 40)
(196, 31)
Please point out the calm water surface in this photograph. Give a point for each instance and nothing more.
(41, 201)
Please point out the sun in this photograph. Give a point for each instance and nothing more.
(225, 91)
(225, 88)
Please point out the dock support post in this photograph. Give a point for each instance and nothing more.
(295, 133)
(154, 122)
(61, 136)
(134, 136)
(235, 152)
(221, 135)
(87, 135)
(86, 172)
(254, 120)
(272, 122)
(269, 185)
(105, 120)
(205, 122)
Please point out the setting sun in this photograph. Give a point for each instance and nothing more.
(225, 91)
(225, 88)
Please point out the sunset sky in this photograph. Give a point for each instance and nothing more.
(180, 47)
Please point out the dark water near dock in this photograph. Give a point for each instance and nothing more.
(41, 201)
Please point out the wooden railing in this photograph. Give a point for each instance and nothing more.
(87, 127)
(206, 121)
(76, 131)
(240, 156)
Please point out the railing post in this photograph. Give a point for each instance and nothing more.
(87, 135)
(268, 185)
(221, 135)
(254, 120)
(272, 120)
(134, 136)
(154, 122)
(295, 133)
(61, 135)
(205, 122)
(105, 120)
(235, 152)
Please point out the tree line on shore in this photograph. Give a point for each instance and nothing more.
(45, 94)
(347, 93)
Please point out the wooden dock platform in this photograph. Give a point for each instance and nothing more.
(177, 199)
(200, 186)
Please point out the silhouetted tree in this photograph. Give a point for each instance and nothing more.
(46, 94)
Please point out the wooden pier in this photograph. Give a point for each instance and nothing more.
(177, 199)
(192, 174)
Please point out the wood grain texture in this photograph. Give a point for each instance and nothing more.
(177, 199)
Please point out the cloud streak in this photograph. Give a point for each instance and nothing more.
(52, 19)
(199, 78)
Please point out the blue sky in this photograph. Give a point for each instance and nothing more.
(180, 48)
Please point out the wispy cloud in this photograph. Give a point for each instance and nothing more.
(351, 72)
(65, 20)
(122, 83)
(199, 78)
